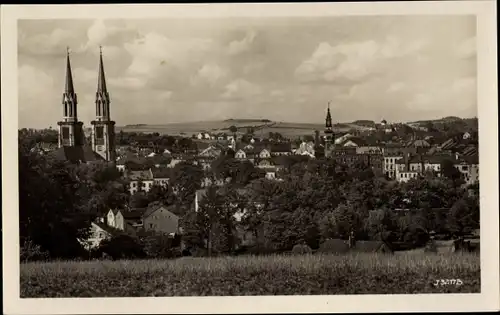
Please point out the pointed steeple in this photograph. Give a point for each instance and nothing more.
(328, 120)
(69, 88)
(101, 81)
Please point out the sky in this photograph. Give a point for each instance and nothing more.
(398, 68)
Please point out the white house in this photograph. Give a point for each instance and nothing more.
(390, 165)
(98, 233)
(240, 154)
(469, 168)
(140, 180)
(264, 154)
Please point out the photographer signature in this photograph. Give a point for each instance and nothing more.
(446, 282)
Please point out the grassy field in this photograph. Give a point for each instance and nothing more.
(287, 129)
(271, 275)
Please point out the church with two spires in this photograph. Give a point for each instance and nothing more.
(73, 146)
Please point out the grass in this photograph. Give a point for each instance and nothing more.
(268, 275)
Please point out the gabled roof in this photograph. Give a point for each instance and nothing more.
(281, 147)
(135, 213)
(161, 172)
(76, 154)
(140, 175)
(470, 159)
(150, 210)
(111, 231)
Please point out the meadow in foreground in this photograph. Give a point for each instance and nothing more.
(269, 275)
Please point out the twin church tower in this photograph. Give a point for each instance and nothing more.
(71, 135)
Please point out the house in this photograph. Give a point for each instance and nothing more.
(264, 154)
(389, 165)
(306, 148)
(174, 162)
(279, 149)
(466, 136)
(468, 166)
(140, 180)
(420, 143)
(199, 136)
(240, 154)
(265, 164)
(212, 151)
(270, 174)
(368, 149)
(160, 218)
(404, 176)
(353, 142)
(343, 138)
(99, 231)
(161, 176)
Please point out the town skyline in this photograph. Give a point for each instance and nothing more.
(168, 71)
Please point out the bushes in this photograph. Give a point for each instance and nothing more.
(32, 252)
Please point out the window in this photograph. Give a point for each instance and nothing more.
(65, 133)
(133, 184)
(151, 225)
(99, 132)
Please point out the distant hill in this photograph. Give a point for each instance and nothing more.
(262, 127)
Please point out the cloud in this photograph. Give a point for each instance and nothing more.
(211, 74)
(54, 42)
(241, 89)
(396, 86)
(237, 47)
(461, 94)
(153, 50)
(38, 93)
(353, 61)
(126, 82)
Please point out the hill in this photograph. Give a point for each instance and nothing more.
(261, 127)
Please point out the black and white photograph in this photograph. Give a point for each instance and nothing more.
(283, 151)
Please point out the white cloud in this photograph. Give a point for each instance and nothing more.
(53, 42)
(352, 61)
(210, 74)
(241, 89)
(240, 46)
(154, 50)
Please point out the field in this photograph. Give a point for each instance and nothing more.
(266, 275)
(287, 129)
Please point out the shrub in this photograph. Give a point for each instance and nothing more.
(32, 252)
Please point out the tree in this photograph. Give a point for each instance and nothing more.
(186, 179)
(233, 129)
(50, 215)
(449, 171)
(381, 224)
(461, 218)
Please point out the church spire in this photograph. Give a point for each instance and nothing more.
(69, 89)
(102, 95)
(328, 120)
(101, 82)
